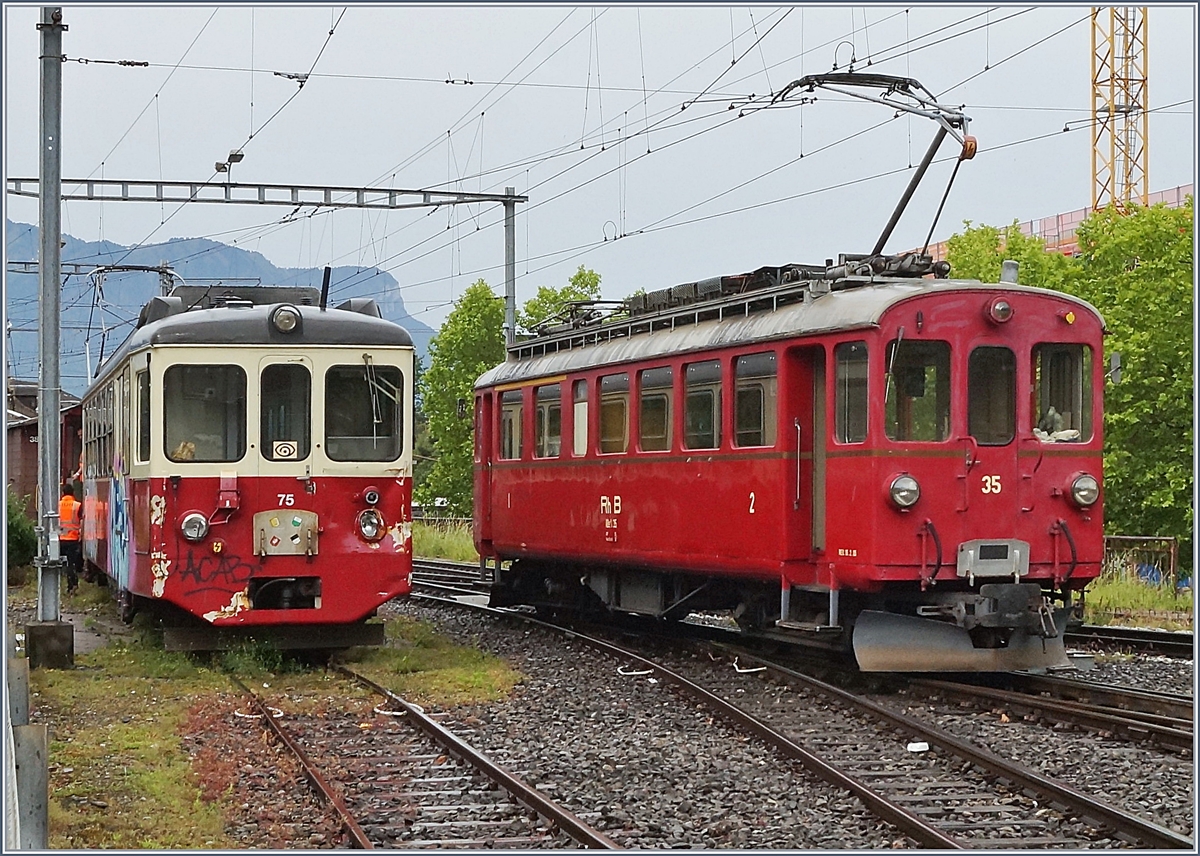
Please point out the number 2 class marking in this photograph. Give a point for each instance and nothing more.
(991, 484)
(751, 502)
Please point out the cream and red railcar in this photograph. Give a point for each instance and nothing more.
(248, 462)
(860, 454)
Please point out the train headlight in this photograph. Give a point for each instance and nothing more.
(1085, 490)
(194, 526)
(999, 310)
(905, 491)
(371, 525)
(285, 318)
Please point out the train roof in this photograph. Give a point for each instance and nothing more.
(164, 321)
(790, 311)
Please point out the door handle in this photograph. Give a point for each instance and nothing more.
(796, 503)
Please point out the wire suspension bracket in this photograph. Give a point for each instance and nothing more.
(904, 95)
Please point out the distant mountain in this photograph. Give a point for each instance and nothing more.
(197, 260)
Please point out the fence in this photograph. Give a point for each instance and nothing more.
(1153, 561)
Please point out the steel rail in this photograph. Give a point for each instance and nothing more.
(1170, 705)
(907, 822)
(357, 836)
(1171, 643)
(531, 798)
(1143, 831)
(1126, 723)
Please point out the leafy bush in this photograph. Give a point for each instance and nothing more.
(22, 541)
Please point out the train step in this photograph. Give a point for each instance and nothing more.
(808, 627)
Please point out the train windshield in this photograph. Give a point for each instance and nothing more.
(917, 390)
(1062, 383)
(991, 395)
(364, 412)
(285, 412)
(204, 413)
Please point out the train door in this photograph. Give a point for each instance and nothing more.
(139, 468)
(804, 422)
(991, 478)
(483, 470)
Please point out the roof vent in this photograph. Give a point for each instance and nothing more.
(159, 308)
(364, 305)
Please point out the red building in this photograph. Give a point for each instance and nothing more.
(21, 451)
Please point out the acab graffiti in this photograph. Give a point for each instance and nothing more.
(214, 571)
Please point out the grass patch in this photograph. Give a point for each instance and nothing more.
(427, 668)
(1135, 603)
(119, 776)
(452, 541)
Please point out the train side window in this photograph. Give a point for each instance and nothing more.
(204, 413)
(917, 390)
(364, 412)
(143, 386)
(850, 405)
(580, 413)
(1062, 393)
(754, 400)
(548, 442)
(655, 409)
(285, 419)
(991, 395)
(614, 413)
(702, 405)
(510, 425)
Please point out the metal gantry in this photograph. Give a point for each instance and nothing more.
(296, 196)
(1120, 101)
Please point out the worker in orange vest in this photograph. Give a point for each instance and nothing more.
(68, 535)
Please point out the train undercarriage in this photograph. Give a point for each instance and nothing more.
(996, 626)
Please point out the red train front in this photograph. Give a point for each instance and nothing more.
(858, 454)
(248, 462)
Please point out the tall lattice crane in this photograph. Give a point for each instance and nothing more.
(1120, 121)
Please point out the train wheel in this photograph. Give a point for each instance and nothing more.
(127, 605)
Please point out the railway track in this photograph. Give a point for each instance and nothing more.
(1167, 642)
(941, 791)
(1164, 720)
(405, 781)
(436, 574)
(448, 577)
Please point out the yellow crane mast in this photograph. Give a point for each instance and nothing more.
(1120, 121)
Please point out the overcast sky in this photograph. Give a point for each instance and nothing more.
(616, 121)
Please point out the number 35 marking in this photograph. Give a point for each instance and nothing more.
(991, 484)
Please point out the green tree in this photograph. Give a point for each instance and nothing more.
(423, 451)
(470, 342)
(22, 541)
(1137, 269)
(977, 253)
(584, 284)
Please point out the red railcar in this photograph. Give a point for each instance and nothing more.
(858, 453)
(248, 462)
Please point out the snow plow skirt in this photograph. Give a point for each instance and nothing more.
(886, 642)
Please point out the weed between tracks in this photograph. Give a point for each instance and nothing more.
(424, 667)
